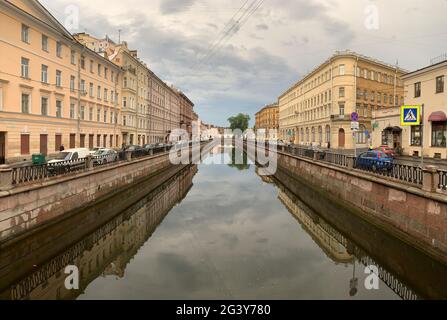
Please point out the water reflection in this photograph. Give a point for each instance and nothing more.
(230, 235)
(108, 250)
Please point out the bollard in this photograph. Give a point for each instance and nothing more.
(128, 155)
(89, 162)
(431, 179)
(5, 178)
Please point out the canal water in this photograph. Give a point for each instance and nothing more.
(214, 232)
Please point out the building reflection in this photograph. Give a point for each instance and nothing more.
(337, 246)
(109, 249)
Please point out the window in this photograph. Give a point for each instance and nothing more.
(124, 102)
(105, 115)
(417, 89)
(360, 135)
(72, 110)
(25, 33)
(91, 89)
(106, 73)
(99, 92)
(440, 84)
(416, 135)
(106, 94)
(99, 70)
(341, 92)
(112, 77)
(83, 91)
(73, 57)
(125, 82)
(365, 74)
(58, 78)
(58, 109)
(328, 134)
(342, 69)
(25, 68)
(91, 66)
(98, 115)
(44, 106)
(72, 83)
(83, 62)
(25, 103)
(90, 114)
(44, 74)
(59, 49)
(439, 134)
(82, 113)
(44, 43)
(341, 109)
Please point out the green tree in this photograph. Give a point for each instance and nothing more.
(241, 121)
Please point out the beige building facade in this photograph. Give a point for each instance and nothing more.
(427, 87)
(317, 110)
(53, 91)
(267, 122)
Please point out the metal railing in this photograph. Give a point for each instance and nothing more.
(34, 173)
(442, 180)
(400, 172)
(336, 158)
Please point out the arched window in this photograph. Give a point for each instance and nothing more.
(302, 135)
(328, 134)
(307, 134)
(313, 134)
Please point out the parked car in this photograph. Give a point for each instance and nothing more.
(67, 159)
(103, 156)
(137, 151)
(148, 147)
(374, 161)
(389, 151)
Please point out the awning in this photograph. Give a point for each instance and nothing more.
(393, 129)
(437, 116)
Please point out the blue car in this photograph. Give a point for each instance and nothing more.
(374, 161)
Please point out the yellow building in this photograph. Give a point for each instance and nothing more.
(427, 87)
(317, 110)
(53, 90)
(268, 119)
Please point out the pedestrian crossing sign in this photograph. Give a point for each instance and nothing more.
(411, 116)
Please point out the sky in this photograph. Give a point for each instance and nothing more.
(232, 56)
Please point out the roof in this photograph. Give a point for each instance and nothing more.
(425, 69)
(339, 54)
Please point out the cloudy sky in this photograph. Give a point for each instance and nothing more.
(232, 56)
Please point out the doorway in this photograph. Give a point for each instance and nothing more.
(341, 138)
(44, 144)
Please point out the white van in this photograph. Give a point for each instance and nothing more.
(70, 155)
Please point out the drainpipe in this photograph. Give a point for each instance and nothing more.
(79, 97)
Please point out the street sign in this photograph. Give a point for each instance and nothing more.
(355, 117)
(355, 126)
(410, 116)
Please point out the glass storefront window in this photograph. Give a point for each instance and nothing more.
(439, 134)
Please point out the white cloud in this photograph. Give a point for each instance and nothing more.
(281, 41)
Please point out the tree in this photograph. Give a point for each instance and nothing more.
(241, 121)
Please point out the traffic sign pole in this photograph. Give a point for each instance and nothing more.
(422, 137)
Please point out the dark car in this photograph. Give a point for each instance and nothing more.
(137, 151)
(374, 161)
